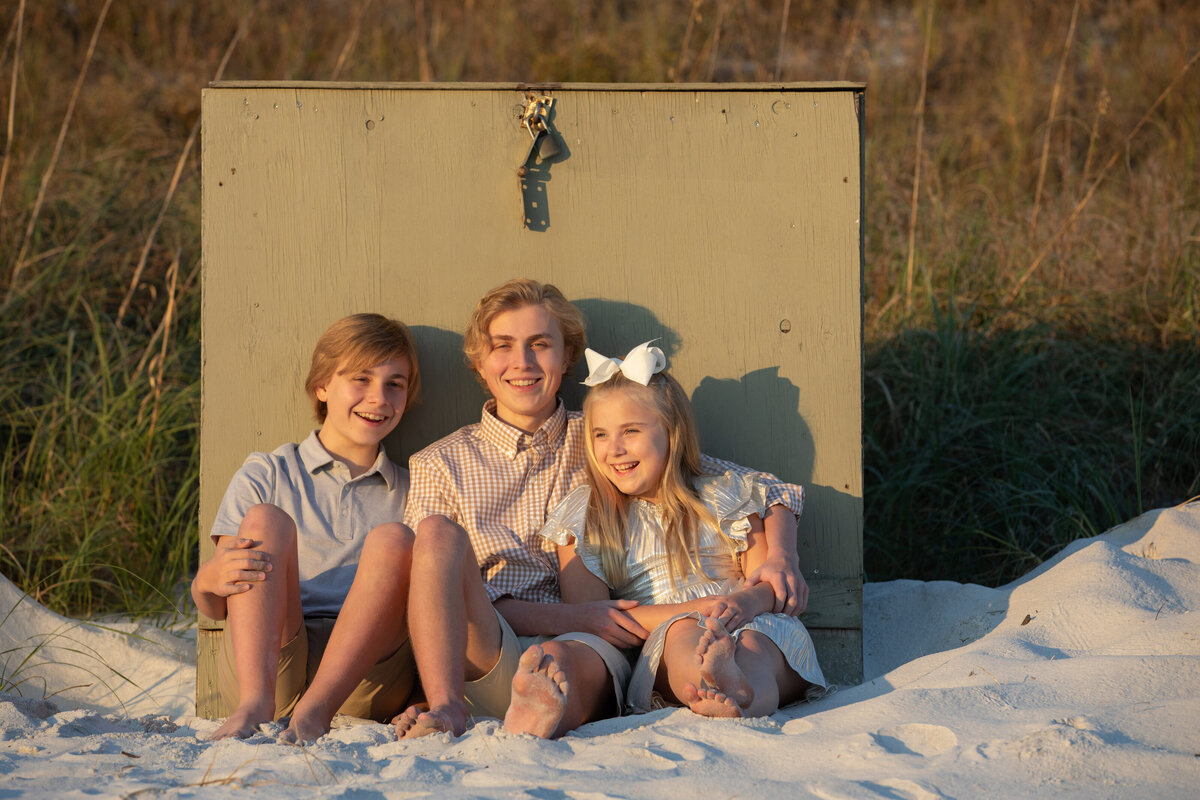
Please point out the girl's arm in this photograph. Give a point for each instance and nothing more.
(579, 585)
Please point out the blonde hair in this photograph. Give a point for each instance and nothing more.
(357, 342)
(515, 294)
(682, 511)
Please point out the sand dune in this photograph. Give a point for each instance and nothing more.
(1082, 679)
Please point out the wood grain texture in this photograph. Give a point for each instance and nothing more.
(209, 703)
(724, 222)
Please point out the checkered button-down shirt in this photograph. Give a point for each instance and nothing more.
(500, 484)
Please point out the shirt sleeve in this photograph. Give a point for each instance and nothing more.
(778, 493)
(251, 485)
(567, 524)
(431, 490)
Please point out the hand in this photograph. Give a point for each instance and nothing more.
(233, 568)
(783, 574)
(735, 610)
(608, 620)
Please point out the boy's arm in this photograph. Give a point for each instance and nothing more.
(608, 619)
(780, 568)
(588, 608)
(234, 566)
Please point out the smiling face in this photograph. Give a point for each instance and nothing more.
(363, 407)
(525, 365)
(630, 445)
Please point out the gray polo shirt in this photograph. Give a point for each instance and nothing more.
(333, 513)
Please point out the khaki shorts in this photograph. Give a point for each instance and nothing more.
(380, 696)
(490, 695)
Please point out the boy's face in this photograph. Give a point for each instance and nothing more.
(362, 408)
(525, 366)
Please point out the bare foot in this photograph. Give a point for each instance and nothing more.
(244, 721)
(539, 696)
(417, 721)
(715, 656)
(304, 728)
(709, 702)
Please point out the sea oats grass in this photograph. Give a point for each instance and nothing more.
(1031, 277)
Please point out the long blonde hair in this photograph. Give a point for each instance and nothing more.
(681, 508)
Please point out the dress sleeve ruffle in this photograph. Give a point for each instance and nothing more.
(568, 523)
(733, 497)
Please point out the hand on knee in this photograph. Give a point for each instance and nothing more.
(270, 527)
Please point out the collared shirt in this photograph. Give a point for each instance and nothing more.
(500, 484)
(332, 511)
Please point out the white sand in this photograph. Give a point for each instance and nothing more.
(1096, 695)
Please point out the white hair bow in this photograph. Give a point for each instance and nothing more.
(642, 362)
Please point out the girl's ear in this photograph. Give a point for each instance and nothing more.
(322, 393)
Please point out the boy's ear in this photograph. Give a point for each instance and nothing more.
(322, 393)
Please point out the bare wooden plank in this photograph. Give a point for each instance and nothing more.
(840, 653)
(209, 703)
(834, 603)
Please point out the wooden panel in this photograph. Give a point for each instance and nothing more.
(840, 653)
(723, 221)
(209, 703)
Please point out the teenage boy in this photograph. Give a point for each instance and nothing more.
(481, 573)
(311, 568)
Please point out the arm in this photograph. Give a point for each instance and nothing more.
(231, 570)
(587, 609)
(580, 586)
(235, 565)
(779, 566)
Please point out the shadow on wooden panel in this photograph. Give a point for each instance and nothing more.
(450, 395)
(613, 328)
(754, 421)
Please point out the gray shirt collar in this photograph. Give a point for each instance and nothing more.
(315, 458)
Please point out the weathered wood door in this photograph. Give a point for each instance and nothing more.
(723, 220)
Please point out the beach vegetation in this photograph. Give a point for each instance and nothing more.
(1031, 275)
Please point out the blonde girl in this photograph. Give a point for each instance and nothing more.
(676, 531)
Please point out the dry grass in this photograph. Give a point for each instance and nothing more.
(1047, 191)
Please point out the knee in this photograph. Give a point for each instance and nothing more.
(683, 628)
(270, 525)
(438, 537)
(391, 543)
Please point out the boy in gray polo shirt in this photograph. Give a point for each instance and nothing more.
(311, 566)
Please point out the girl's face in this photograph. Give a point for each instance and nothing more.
(629, 442)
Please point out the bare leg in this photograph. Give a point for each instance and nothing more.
(371, 626)
(262, 620)
(678, 667)
(709, 702)
(559, 685)
(775, 683)
(718, 668)
(453, 626)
